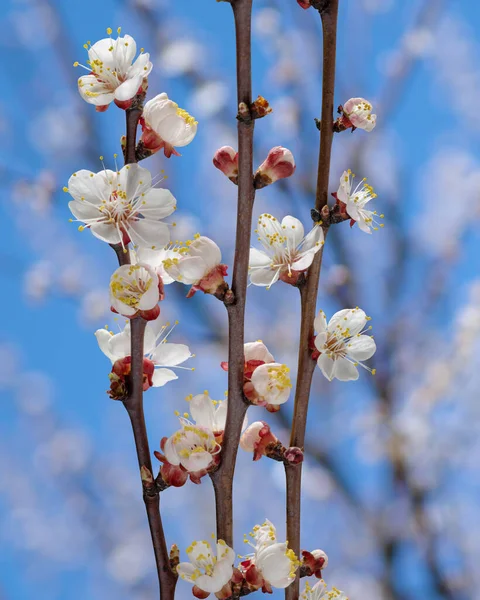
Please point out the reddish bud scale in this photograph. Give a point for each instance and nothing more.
(198, 593)
(152, 142)
(265, 437)
(313, 565)
(212, 283)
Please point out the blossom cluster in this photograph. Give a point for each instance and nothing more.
(126, 209)
(272, 564)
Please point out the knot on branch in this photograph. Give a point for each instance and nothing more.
(258, 109)
(329, 216)
(323, 6)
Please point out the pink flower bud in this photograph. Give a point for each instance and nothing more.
(293, 455)
(226, 160)
(278, 165)
(314, 562)
(256, 438)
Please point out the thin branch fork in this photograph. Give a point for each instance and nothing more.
(134, 404)
(308, 293)
(237, 406)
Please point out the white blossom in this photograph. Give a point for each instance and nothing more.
(208, 572)
(197, 263)
(287, 252)
(342, 344)
(273, 561)
(134, 288)
(166, 126)
(356, 200)
(121, 206)
(320, 591)
(272, 383)
(208, 413)
(155, 258)
(164, 355)
(193, 447)
(112, 73)
(359, 113)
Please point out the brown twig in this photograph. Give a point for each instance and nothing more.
(328, 10)
(223, 478)
(134, 405)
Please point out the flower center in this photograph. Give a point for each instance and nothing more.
(129, 291)
(336, 347)
(279, 378)
(189, 120)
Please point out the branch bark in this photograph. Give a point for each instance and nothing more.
(308, 292)
(134, 405)
(237, 406)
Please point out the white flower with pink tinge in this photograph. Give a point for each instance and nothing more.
(113, 76)
(198, 263)
(122, 206)
(162, 354)
(355, 200)
(135, 291)
(208, 573)
(359, 113)
(273, 564)
(193, 447)
(210, 414)
(287, 251)
(166, 126)
(341, 344)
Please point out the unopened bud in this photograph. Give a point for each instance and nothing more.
(278, 165)
(174, 557)
(146, 475)
(293, 455)
(226, 160)
(314, 562)
(256, 438)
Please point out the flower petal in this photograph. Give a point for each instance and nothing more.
(354, 319)
(148, 233)
(345, 370)
(186, 571)
(161, 377)
(327, 366)
(103, 338)
(320, 322)
(191, 269)
(259, 258)
(128, 89)
(158, 203)
(106, 232)
(293, 229)
(264, 277)
(203, 411)
(257, 351)
(88, 186)
(208, 250)
(171, 355)
(361, 347)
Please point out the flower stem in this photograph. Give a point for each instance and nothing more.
(134, 405)
(237, 406)
(308, 293)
